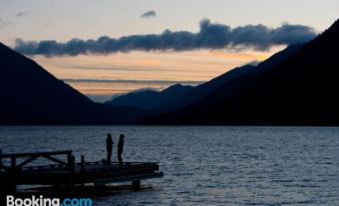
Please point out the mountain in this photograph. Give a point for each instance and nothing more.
(235, 78)
(201, 90)
(228, 84)
(177, 96)
(233, 81)
(150, 99)
(300, 90)
(31, 95)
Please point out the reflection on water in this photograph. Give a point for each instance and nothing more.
(207, 165)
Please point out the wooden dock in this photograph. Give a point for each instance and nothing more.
(63, 171)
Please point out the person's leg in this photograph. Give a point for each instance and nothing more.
(120, 158)
(109, 156)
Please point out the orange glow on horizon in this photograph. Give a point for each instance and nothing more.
(198, 66)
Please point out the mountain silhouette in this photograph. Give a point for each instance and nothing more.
(235, 79)
(300, 90)
(225, 85)
(177, 96)
(151, 99)
(31, 95)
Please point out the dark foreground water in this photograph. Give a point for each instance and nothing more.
(207, 165)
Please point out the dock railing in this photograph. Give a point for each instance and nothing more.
(18, 161)
(60, 169)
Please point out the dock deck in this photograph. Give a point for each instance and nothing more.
(15, 171)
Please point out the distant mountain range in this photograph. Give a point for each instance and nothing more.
(301, 88)
(159, 101)
(297, 86)
(31, 95)
(178, 96)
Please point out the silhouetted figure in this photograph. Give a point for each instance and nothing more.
(109, 148)
(120, 148)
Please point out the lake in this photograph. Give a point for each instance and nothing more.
(206, 165)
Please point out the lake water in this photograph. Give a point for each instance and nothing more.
(207, 165)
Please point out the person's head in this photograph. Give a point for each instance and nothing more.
(122, 136)
(109, 136)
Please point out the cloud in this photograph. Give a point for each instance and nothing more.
(4, 23)
(252, 63)
(21, 14)
(148, 14)
(210, 36)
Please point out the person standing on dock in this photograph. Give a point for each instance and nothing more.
(120, 148)
(109, 148)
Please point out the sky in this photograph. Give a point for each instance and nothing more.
(143, 60)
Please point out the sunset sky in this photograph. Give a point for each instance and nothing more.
(101, 73)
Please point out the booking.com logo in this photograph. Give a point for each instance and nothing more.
(41, 201)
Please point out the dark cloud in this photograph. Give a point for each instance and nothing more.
(21, 14)
(148, 14)
(210, 36)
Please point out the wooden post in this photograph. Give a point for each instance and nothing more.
(0, 159)
(71, 167)
(82, 163)
(13, 163)
(136, 184)
(69, 159)
(82, 169)
(2, 186)
(13, 177)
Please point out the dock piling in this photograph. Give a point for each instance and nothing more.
(0, 160)
(13, 172)
(82, 168)
(136, 184)
(71, 167)
(82, 163)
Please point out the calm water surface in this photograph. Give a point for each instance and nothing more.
(207, 165)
